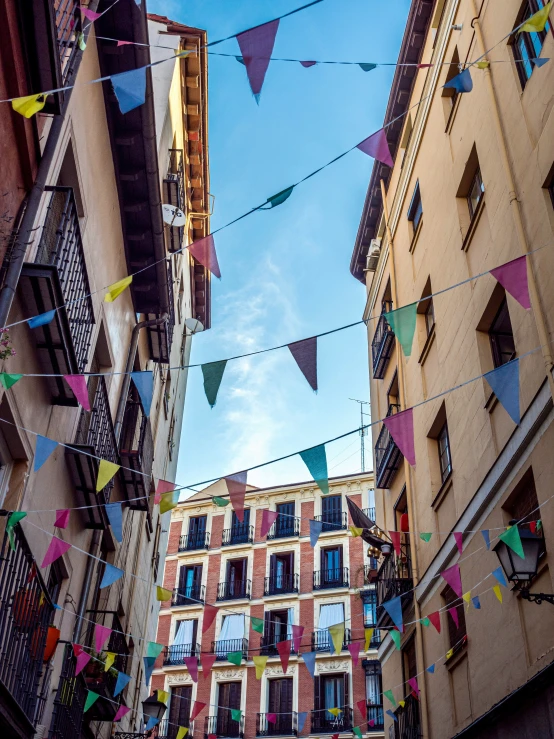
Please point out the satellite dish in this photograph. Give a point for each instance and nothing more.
(173, 215)
(193, 325)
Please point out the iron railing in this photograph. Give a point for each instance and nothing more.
(234, 589)
(322, 642)
(375, 715)
(283, 527)
(136, 448)
(169, 730)
(370, 513)
(324, 722)
(387, 455)
(285, 724)
(241, 533)
(222, 647)
(393, 579)
(176, 654)
(333, 521)
(25, 614)
(61, 246)
(197, 540)
(223, 725)
(174, 190)
(335, 578)
(268, 643)
(68, 26)
(382, 344)
(69, 703)
(370, 571)
(277, 584)
(189, 595)
(408, 725)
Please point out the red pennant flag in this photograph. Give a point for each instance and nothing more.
(204, 252)
(401, 427)
(256, 47)
(458, 536)
(210, 612)
(77, 649)
(305, 354)
(268, 519)
(532, 527)
(196, 708)
(33, 573)
(192, 666)
(395, 538)
(283, 647)
(362, 708)
(236, 485)
(435, 619)
(335, 736)
(207, 662)
(163, 486)
(297, 632)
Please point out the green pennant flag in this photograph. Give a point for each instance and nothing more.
(153, 649)
(257, 624)
(539, 525)
(425, 622)
(389, 694)
(315, 460)
(91, 700)
(512, 539)
(403, 322)
(235, 658)
(280, 197)
(213, 374)
(221, 502)
(426, 537)
(395, 636)
(8, 380)
(357, 731)
(13, 519)
(236, 714)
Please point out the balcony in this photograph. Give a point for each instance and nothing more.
(382, 344)
(285, 725)
(95, 436)
(408, 725)
(242, 533)
(234, 589)
(321, 640)
(191, 595)
(284, 527)
(222, 647)
(268, 644)
(197, 540)
(69, 703)
(371, 571)
(375, 714)
(175, 655)
(223, 725)
(57, 277)
(370, 513)
(280, 584)
(393, 579)
(166, 729)
(26, 611)
(387, 455)
(337, 578)
(136, 449)
(326, 723)
(96, 678)
(333, 521)
(160, 337)
(174, 194)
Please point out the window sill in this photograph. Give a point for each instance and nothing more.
(473, 225)
(441, 495)
(415, 237)
(427, 346)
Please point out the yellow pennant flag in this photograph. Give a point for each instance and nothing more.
(498, 592)
(483, 65)
(337, 636)
(106, 471)
(537, 22)
(467, 598)
(449, 654)
(41, 599)
(162, 594)
(163, 696)
(29, 105)
(181, 734)
(169, 501)
(334, 711)
(260, 663)
(368, 635)
(110, 659)
(117, 288)
(355, 531)
(402, 703)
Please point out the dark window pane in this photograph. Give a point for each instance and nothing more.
(502, 337)
(445, 460)
(455, 633)
(475, 193)
(415, 211)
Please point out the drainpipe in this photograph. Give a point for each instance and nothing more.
(7, 293)
(408, 477)
(538, 313)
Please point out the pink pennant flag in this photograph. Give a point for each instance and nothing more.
(362, 707)
(513, 278)
(121, 711)
(395, 538)
(297, 632)
(424, 66)
(308, 64)
(77, 649)
(453, 578)
(371, 722)
(207, 662)
(82, 661)
(305, 354)
(124, 43)
(271, 717)
(62, 518)
(204, 252)
(210, 612)
(101, 635)
(435, 619)
(56, 549)
(412, 682)
(377, 146)
(256, 47)
(192, 667)
(283, 647)
(458, 536)
(197, 707)
(268, 519)
(354, 650)
(79, 386)
(401, 427)
(90, 14)
(454, 613)
(163, 486)
(236, 485)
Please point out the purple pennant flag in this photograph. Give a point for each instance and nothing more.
(305, 353)
(513, 278)
(308, 64)
(297, 632)
(377, 146)
(454, 613)
(192, 666)
(401, 427)
(236, 485)
(453, 578)
(268, 519)
(394, 608)
(256, 47)
(204, 252)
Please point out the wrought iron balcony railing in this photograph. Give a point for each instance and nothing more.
(190, 595)
(174, 192)
(370, 513)
(166, 729)
(408, 725)
(286, 724)
(324, 722)
(375, 714)
(370, 571)
(234, 589)
(280, 584)
(322, 642)
(333, 520)
(160, 337)
(196, 540)
(283, 527)
(69, 703)
(222, 647)
(136, 449)
(176, 654)
(268, 643)
(387, 455)
(382, 344)
(223, 725)
(336, 578)
(393, 579)
(241, 533)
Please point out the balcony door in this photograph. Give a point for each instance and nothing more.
(281, 572)
(285, 520)
(331, 691)
(190, 579)
(236, 576)
(197, 528)
(179, 709)
(280, 703)
(184, 642)
(331, 510)
(331, 565)
(329, 615)
(236, 525)
(229, 697)
(277, 627)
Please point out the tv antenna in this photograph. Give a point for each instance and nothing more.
(362, 429)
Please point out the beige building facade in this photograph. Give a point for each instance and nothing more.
(471, 189)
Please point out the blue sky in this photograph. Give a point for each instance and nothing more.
(286, 271)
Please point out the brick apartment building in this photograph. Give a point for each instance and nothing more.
(215, 559)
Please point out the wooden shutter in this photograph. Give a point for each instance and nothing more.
(234, 695)
(346, 689)
(318, 696)
(268, 628)
(182, 579)
(246, 521)
(340, 557)
(272, 566)
(286, 695)
(194, 632)
(179, 707)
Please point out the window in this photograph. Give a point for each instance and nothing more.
(236, 524)
(281, 573)
(236, 576)
(415, 211)
(370, 608)
(285, 523)
(279, 702)
(167, 393)
(550, 185)
(329, 615)
(373, 692)
(527, 46)
(331, 691)
(277, 627)
(331, 564)
(197, 531)
(429, 317)
(228, 697)
(502, 337)
(55, 579)
(409, 663)
(456, 634)
(445, 460)
(190, 579)
(331, 512)
(184, 641)
(179, 706)
(449, 94)
(476, 191)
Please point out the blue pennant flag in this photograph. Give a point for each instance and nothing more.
(392, 715)
(476, 602)
(43, 450)
(115, 517)
(394, 608)
(538, 62)
(121, 683)
(42, 320)
(431, 669)
(148, 668)
(144, 383)
(130, 89)
(309, 661)
(499, 575)
(367, 67)
(111, 575)
(315, 531)
(302, 720)
(315, 460)
(486, 537)
(152, 721)
(504, 382)
(461, 82)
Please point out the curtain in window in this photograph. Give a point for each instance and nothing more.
(329, 615)
(183, 634)
(232, 632)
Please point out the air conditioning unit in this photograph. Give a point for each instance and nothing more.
(373, 255)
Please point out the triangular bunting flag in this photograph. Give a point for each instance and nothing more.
(213, 374)
(90, 700)
(259, 663)
(467, 598)
(425, 622)
(268, 519)
(512, 539)
(153, 649)
(367, 67)
(538, 62)
(401, 428)
(122, 681)
(279, 198)
(357, 731)
(309, 661)
(90, 14)
(29, 104)
(42, 320)
(144, 383)
(394, 608)
(207, 662)
(315, 460)
(78, 385)
(454, 614)
(44, 448)
(56, 549)
(221, 502)
(204, 252)
(305, 354)
(101, 636)
(335, 711)
(336, 632)
(426, 537)
(62, 518)
(430, 669)
(499, 575)
(498, 592)
(402, 703)
(395, 636)
(390, 696)
(151, 723)
(458, 538)
(163, 486)
(302, 716)
(377, 146)
(256, 47)
(182, 732)
(362, 707)
(148, 668)
(403, 322)
(257, 624)
(308, 64)
(412, 682)
(168, 501)
(297, 632)
(284, 647)
(504, 382)
(315, 530)
(368, 636)
(395, 539)
(435, 619)
(9, 380)
(115, 290)
(111, 575)
(453, 578)
(162, 594)
(209, 613)
(130, 89)
(81, 662)
(271, 717)
(115, 517)
(476, 602)
(461, 82)
(235, 658)
(513, 278)
(487, 538)
(356, 531)
(191, 664)
(121, 712)
(197, 707)
(106, 470)
(236, 485)
(354, 650)
(236, 714)
(110, 659)
(537, 22)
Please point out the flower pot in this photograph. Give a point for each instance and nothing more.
(52, 638)
(25, 608)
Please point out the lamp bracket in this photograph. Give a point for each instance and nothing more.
(537, 597)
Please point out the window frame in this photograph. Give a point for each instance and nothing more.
(494, 337)
(457, 636)
(524, 42)
(415, 209)
(445, 469)
(477, 179)
(429, 316)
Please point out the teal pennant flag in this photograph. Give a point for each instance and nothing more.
(403, 322)
(315, 460)
(213, 374)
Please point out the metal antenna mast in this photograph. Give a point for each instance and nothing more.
(362, 429)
